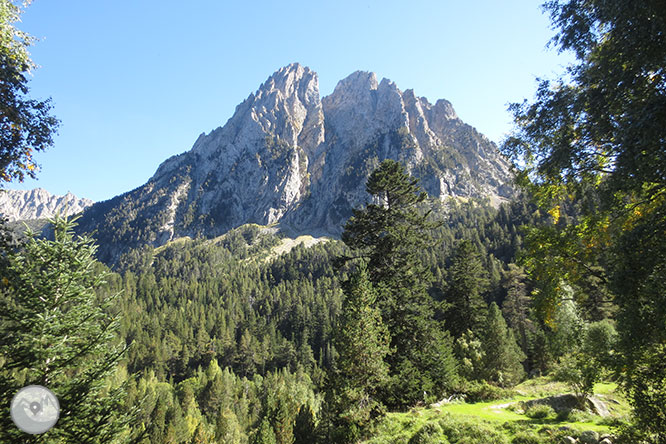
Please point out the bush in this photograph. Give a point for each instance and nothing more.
(430, 433)
(580, 372)
(563, 415)
(525, 437)
(539, 411)
(470, 432)
(388, 440)
(482, 391)
(576, 415)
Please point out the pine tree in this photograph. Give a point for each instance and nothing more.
(228, 429)
(466, 282)
(56, 332)
(265, 434)
(391, 234)
(516, 307)
(362, 343)
(304, 426)
(200, 436)
(282, 420)
(502, 356)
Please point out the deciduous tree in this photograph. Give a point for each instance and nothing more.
(25, 124)
(596, 137)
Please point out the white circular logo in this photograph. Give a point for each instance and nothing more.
(35, 409)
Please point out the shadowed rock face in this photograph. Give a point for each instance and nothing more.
(288, 156)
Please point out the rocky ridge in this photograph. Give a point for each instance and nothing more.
(288, 156)
(38, 203)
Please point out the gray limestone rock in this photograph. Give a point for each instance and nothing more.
(287, 156)
(39, 204)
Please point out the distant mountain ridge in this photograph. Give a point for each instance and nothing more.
(39, 204)
(288, 156)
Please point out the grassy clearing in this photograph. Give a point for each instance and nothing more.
(178, 241)
(496, 421)
(287, 244)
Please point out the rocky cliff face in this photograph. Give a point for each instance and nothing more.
(288, 156)
(38, 204)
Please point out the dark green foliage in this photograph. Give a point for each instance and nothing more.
(390, 234)
(580, 372)
(265, 434)
(595, 140)
(466, 282)
(539, 411)
(304, 426)
(646, 387)
(430, 433)
(227, 428)
(640, 290)
(516, 308)
(55, 331)
(362, 342)
(202, 315)
(600, 342)
(481, 391)
(470, 431)
(525, 437)
(502, 357)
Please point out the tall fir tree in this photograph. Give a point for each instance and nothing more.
(264, 434)
(362, 342)
(390, 234)
(516, 306)
(502, 357)
(56, 332)
(466, 308)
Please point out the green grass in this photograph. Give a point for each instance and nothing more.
(494, 418)
(605, 388)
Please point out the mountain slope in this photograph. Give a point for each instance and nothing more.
(288, 156)
(38, 204)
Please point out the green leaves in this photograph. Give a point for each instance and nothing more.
(25, 124)
(596, 142)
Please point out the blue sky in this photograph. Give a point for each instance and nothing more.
(136, 81)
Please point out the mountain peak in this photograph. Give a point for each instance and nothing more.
(288, 156)
(288, 80)
(359, 80)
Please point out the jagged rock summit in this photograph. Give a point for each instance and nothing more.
(289, 156)
(38, 204)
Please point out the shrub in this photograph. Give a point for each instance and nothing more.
(580, 372)
(576, 415)
(539, 411)
(482, 391)
(430, 433)
(563, 415)
(525, 437)
(470, 432)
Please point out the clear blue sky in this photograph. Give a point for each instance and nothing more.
(136, 81)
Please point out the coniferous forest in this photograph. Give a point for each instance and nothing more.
(420, 323)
